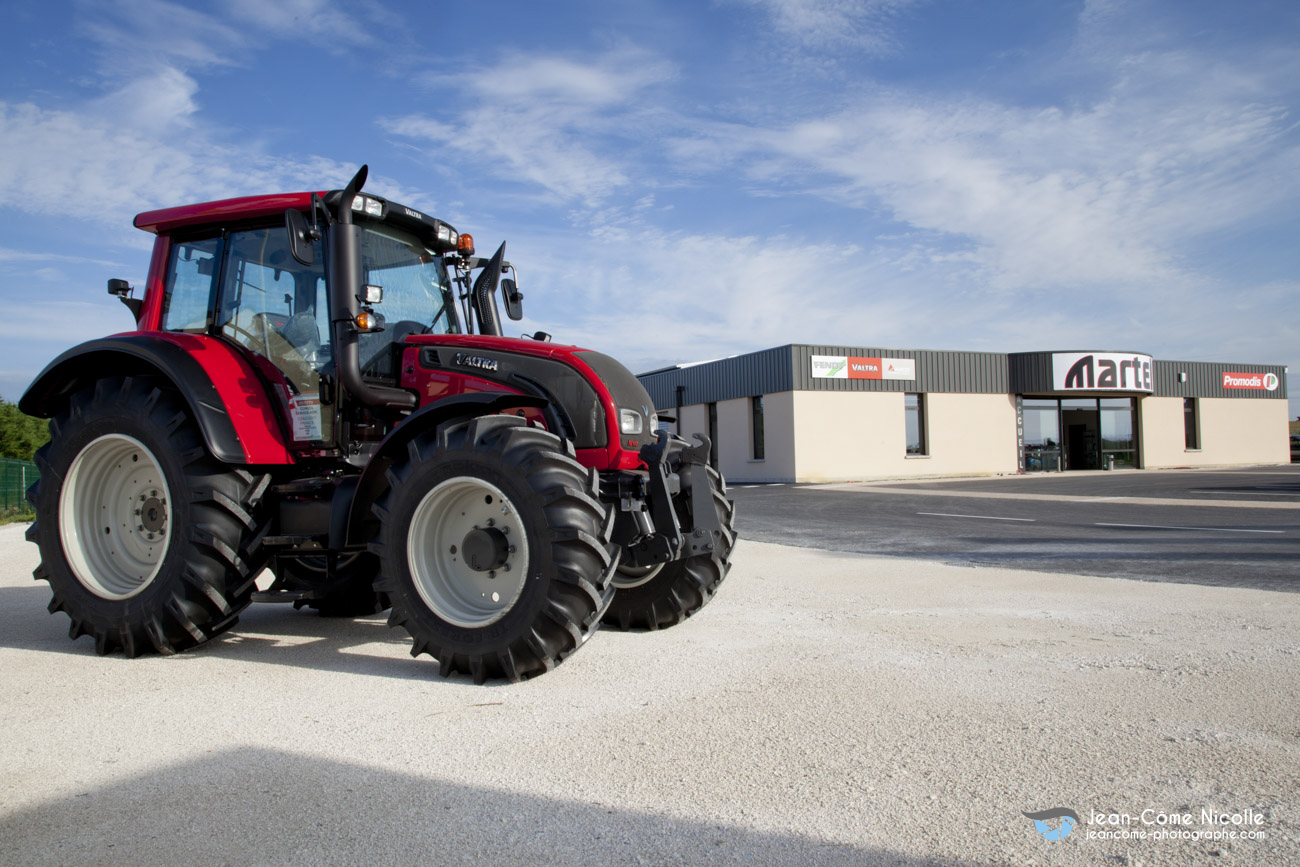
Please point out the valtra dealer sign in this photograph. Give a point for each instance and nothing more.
(1251, 381)
(1102, 371)
(861, 367)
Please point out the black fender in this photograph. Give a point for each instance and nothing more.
(140, 354)
(373, 481)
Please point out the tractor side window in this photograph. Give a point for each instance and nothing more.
(190, 274)
(276, 308)
(417, 296)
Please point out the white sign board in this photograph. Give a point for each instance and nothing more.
(1102, 371)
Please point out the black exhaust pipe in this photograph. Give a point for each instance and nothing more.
(345, 286)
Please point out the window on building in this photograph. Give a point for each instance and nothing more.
(1191, 426)
(914, 410)
(756, 426)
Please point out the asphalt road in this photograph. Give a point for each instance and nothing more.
(1238, 528)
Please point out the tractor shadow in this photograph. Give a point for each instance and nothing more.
(265, 805)
(266, 633)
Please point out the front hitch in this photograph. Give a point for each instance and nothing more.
(679, 498)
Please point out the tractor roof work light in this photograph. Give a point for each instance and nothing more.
(367, 205)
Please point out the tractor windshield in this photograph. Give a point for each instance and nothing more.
(417, 299)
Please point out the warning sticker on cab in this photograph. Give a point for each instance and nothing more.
(304, 410)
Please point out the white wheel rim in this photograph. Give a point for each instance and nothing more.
(454, 590)
(635, 576)
(115, 516)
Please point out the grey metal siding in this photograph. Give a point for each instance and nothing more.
(1031, 372)
(789, 368)
(1205, 379)
(936, 371)
(764, 372)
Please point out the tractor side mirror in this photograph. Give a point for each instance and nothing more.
(122, 290)
(514, 299)
(300, 237)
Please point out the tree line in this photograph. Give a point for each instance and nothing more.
(20, 435)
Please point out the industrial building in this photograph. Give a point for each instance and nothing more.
(802, 413)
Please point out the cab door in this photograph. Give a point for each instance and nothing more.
(277, 309)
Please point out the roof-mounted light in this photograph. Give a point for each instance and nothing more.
(465, 244)
(367, 205)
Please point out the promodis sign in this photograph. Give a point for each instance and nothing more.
(1252, 381)
(1101, 371)
(858, 367)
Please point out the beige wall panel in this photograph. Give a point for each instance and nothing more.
(735, 449)
(1233, 431)
(694, 418)
(972, 433)
(841, 436)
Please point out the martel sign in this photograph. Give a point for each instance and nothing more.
(1101, 371)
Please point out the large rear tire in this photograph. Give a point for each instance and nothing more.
(144, 537)
(656, 597)
(494, 548)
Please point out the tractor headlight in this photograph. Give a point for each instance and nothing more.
(629, 421)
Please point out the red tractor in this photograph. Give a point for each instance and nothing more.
(315, 386)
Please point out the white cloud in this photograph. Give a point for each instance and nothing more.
(136, 35)
(548, 121)
(863, 25)
(66, 322)
(10, 255)
(1103, 194)
(139, 148)
(319, 19)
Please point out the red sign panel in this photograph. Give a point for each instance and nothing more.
(1251, 381)
(864, 368)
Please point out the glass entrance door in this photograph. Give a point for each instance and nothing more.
(1082, 429)
(1079, 433)
(1118, 441)
(1042, 435)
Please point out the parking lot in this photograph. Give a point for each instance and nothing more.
(828, 707)
(1236, 528)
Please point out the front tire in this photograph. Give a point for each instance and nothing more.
(494, 548)
(143, 535)
(656, 597)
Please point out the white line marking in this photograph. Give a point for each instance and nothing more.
(1197, 529)
(979, 517)
(1250, 493)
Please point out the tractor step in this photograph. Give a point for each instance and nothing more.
(282, 596)
(303, 486)
(289, 541)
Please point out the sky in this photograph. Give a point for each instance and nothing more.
(680, 181)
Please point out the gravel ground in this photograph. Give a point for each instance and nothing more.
(824, 709)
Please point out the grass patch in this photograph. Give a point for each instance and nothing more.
(14, 516)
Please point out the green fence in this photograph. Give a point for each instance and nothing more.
(15, 478)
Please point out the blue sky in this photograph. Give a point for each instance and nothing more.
(687, 180)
